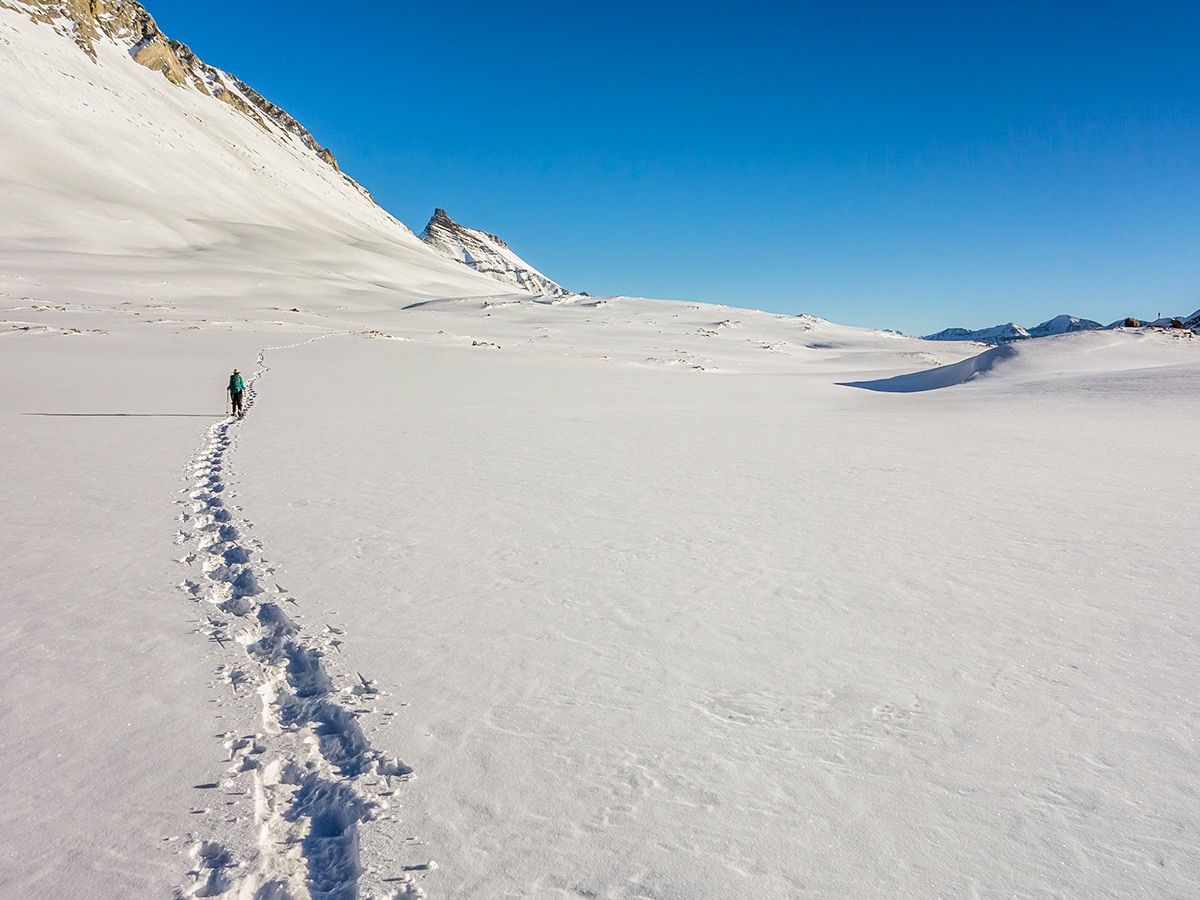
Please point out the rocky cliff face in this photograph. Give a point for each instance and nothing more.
(488, 254)
(131, 27)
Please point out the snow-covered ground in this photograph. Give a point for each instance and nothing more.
(491, 596)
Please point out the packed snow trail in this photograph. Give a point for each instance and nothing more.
(310, 772)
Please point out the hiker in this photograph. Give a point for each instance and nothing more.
(236, 389)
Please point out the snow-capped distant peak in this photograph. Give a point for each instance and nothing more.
(1006, 334)
(997, 334)
(1063, 324)
(486, 253)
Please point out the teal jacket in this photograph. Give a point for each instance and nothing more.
(236, 385)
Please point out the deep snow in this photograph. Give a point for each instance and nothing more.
(639, 629)
(492, 596)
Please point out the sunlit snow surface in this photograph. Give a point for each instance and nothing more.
(489, 596)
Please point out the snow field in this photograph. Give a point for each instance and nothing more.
(639, 629)
(102, 675)
(651, 602)
(754, 634)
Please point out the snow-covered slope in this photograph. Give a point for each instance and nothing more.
(488, 254)
(129, 25)
(498, 594)
(118, 180)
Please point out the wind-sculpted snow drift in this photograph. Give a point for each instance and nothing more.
(940, 376)
(311, 772)
(1115, 356)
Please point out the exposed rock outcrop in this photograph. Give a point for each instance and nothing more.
(128, 24)
(488, 254)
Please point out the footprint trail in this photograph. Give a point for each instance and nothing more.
(306, 781)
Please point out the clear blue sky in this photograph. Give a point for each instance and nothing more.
(893, 165)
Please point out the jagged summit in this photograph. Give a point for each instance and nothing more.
(441, 220)
(486, 253)
(128, 24)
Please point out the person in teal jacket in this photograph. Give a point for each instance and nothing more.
(237, 389)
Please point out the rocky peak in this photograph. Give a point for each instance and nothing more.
(128, 24)
(442, 224)
(486, 253)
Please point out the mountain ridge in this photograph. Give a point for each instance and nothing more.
(101, 151)
(1011, 332)
(131, 26)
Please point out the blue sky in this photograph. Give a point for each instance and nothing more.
(893, 165)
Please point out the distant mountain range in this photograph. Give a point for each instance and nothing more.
(486, 253)
(1064, 324)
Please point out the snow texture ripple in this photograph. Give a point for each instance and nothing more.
(312, 772)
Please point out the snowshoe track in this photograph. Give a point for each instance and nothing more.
(310, 773)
